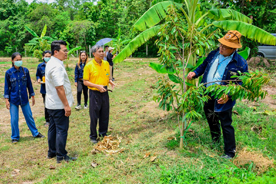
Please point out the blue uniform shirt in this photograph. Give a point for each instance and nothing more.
(237, 63)
(40, 72)
(79, 71)
(16, 84)
(217, 69)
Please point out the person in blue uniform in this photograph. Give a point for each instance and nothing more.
(40, 73)
(83, 58)
(17, 86)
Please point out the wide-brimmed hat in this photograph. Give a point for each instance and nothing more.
(110, 48)
(232, 39)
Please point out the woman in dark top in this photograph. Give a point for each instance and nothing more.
(17, 81)
(40, 73)
(83, 58)
(109, 58)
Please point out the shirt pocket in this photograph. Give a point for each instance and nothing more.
(24, 80)
(13, 82)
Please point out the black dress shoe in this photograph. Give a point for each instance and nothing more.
(39, 135)
(66, 159)
(51, 156)
(14, 141)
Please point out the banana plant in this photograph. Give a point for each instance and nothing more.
(39, 43)
(199, 23)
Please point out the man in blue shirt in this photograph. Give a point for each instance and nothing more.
(40, 73)
(220, 65)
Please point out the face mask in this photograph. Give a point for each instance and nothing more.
(46, 59)
(18, 63)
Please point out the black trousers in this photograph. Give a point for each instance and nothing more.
(82, 88)
(98, 109)
(57, 133)
(225, 119)
(47, 118)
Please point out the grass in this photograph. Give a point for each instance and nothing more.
(145, 130)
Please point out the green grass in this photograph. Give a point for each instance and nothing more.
(144, 128)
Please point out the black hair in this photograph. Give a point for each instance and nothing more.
(45, 52)
(106, 46)
(14, 55)
(55, 45)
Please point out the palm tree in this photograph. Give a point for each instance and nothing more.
(199, 25)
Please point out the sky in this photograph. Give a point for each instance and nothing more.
(44, 1)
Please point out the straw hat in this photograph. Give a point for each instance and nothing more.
(232, 39)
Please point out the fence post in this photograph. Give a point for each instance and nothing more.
(147, 50)
(90, 51)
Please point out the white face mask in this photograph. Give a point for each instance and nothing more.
(46, 59)
(18, 63)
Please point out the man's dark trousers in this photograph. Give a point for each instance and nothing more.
(225, 119)
(57, 133)
(98, 109)
(47, 118)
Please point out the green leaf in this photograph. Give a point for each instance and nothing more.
(228, 14)
(154, 15)
(174, 78)
(31, 31)
(189, 84)
(44, 31)
(160, 68)
(136, 42)
(247, 30)
(74, 50)
(245, 53)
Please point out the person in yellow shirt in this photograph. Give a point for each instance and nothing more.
(96, 77)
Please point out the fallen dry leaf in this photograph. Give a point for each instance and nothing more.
(94, 151)
(153, 158)
(52, 167)
(190, 130)
(94, 164)
(235, 112)
(171, 138)
(147, 155)
(110, 145)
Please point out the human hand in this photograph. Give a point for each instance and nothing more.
(38, 80)
(223, 99)
(112, 84)
(33, 100)
(101, 88)
(7, 104)
(191, 75)
(76, 84)
(67, 110)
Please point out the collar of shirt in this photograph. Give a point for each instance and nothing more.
(58, 60)
(95, 62)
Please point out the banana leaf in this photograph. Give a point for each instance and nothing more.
(245, 53)
(154, 15)
(136, 42)
(247, 30)
(31, 31)
(228, 14)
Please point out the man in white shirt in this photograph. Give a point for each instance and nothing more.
(59, 100)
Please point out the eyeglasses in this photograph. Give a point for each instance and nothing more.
(83, 51)
(223, 47)
(65, 51)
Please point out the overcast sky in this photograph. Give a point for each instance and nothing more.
(44, 1)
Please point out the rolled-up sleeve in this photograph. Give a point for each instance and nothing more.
(57, 75)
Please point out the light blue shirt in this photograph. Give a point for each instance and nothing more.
(218, 68)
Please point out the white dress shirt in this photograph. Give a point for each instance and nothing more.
(56, 75)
